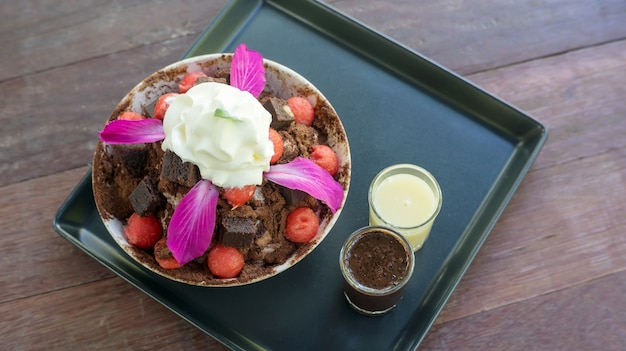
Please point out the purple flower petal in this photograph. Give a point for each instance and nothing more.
(133, 132)
(191, 228)
(246, 71)
(305, 175)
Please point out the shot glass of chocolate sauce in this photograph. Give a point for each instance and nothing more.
(376, 263)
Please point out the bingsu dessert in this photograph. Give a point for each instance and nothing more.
(221, 170)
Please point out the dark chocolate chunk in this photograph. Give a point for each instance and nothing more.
(292, 197)
(183, 173)
(238, 232)
(282, 116)
(146, 199)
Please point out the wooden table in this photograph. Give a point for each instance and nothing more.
(551, 276)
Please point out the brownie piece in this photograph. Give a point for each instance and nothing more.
(282, 116)
(146, 198)
(132, 157)
(297, 141)
(238, 232)
(183, 173)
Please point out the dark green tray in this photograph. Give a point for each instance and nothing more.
(397, 107)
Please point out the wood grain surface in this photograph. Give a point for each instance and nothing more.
(551, 275)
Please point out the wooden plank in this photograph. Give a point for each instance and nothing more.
(53, 34)
(44, 260)
(584, 317)
(106, 315)
(472, 36)
(79, 99)
(36, 38)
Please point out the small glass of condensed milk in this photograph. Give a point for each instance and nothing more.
(376, 264)
(407, 198)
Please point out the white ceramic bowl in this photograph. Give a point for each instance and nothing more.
(282, 82)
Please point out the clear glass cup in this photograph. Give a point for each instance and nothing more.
(376, 264)
(407, 198)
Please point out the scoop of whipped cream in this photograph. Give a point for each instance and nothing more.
(223, 131)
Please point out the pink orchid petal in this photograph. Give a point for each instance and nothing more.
(305, 175)
(133, 132)
(191, 228)
(246, 71)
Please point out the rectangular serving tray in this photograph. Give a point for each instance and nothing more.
(397, 107)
